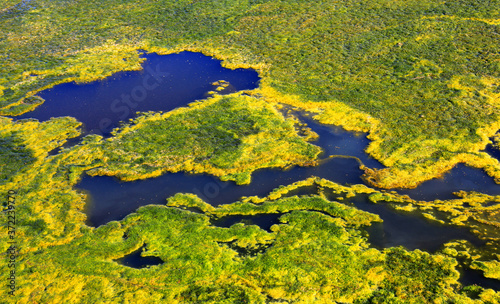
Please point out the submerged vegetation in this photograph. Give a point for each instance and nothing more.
(422, 77)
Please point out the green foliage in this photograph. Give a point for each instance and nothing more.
(216, 295)
(6, 4)
(38, 226)
(309, 256)
(13, 157)
(47, 209)
(318, 251)
(416, 277)
(228, 136)
(314, 203)
(396, 64)
(421, 76)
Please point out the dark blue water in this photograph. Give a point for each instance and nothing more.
(334, 140)
(492, 151)
(135, 260)
(164, 83)
(264, 221)
(459, 178)
(475, 277)
(411, 230)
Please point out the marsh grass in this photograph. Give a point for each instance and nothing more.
(421, 76)
(308, 256)
(228, 136)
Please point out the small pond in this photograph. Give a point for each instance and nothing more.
(135, 260)
(164, 83)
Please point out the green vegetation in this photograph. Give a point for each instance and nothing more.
(48, 210)
(6, 4)
(24, 105)
(422, 77)
(309, 257)
(317, 253)
(227, 136)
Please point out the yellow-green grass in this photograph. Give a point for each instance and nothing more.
(309, 257)
(317, 253)
(422, 77)
(227, 136)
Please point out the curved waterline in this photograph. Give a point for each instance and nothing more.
(164, 83)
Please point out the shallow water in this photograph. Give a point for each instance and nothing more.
(493, 152)
(409, 229)
(459, 178)
(475, 277)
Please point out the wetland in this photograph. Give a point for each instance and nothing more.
(251, 152)
(341, 160)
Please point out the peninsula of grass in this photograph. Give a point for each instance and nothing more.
(227, 136)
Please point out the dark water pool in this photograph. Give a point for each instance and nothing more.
(459, 178)
(410, 230)
(475, 277)
(492, 151)
(135, 260)
(164, 83)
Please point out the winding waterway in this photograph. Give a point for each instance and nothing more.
(167, 82)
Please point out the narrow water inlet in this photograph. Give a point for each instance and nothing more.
(135, 260)
(461, 177)
(264, 221)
